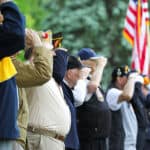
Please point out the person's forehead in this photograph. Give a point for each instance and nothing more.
(124, 77)
(76, 70)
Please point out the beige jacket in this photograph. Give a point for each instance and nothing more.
(48, 108)
(31, 75)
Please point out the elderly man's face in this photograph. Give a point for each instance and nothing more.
(73, 76)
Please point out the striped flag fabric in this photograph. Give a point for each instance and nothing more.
(136, 31)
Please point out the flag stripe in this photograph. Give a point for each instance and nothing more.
(130, 22)
(135, 31)
(128, 36)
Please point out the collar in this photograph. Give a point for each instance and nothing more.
(66, 82)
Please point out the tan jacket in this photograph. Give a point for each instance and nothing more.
(48, 108)
(31, 75)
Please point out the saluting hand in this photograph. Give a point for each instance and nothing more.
(102, 61)
(32, 39)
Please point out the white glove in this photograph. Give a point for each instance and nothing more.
(136, 77)
(102, 61)
(85, 72)
(133, 75)
(139, 78)
(148, 86)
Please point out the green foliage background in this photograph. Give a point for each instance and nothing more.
(96, 24)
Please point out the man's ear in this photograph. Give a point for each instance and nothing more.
(57, 43)
(57, 40)
(69, 73)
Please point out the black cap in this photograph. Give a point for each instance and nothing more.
(56, 36)
(120, 71)
(74, 63)
(57, 40)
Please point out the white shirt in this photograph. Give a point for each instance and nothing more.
(80, 92)
(128, 117)
(48, 108)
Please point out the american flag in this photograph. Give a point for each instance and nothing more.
(136, 31)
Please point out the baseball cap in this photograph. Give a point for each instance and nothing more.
(57, 35)
(87, 53)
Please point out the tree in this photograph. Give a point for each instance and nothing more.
(96, 24)
(33, 14)
(92, 23)
(33, 11)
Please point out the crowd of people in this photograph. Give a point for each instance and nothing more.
(55, 101)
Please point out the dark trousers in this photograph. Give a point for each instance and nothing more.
(141, 139)
(116, 142)
(147, 145)
(93, 144)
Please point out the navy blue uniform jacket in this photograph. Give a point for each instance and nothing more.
(59, 69)
(12, 34)
(12, 31)
(72, 140)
